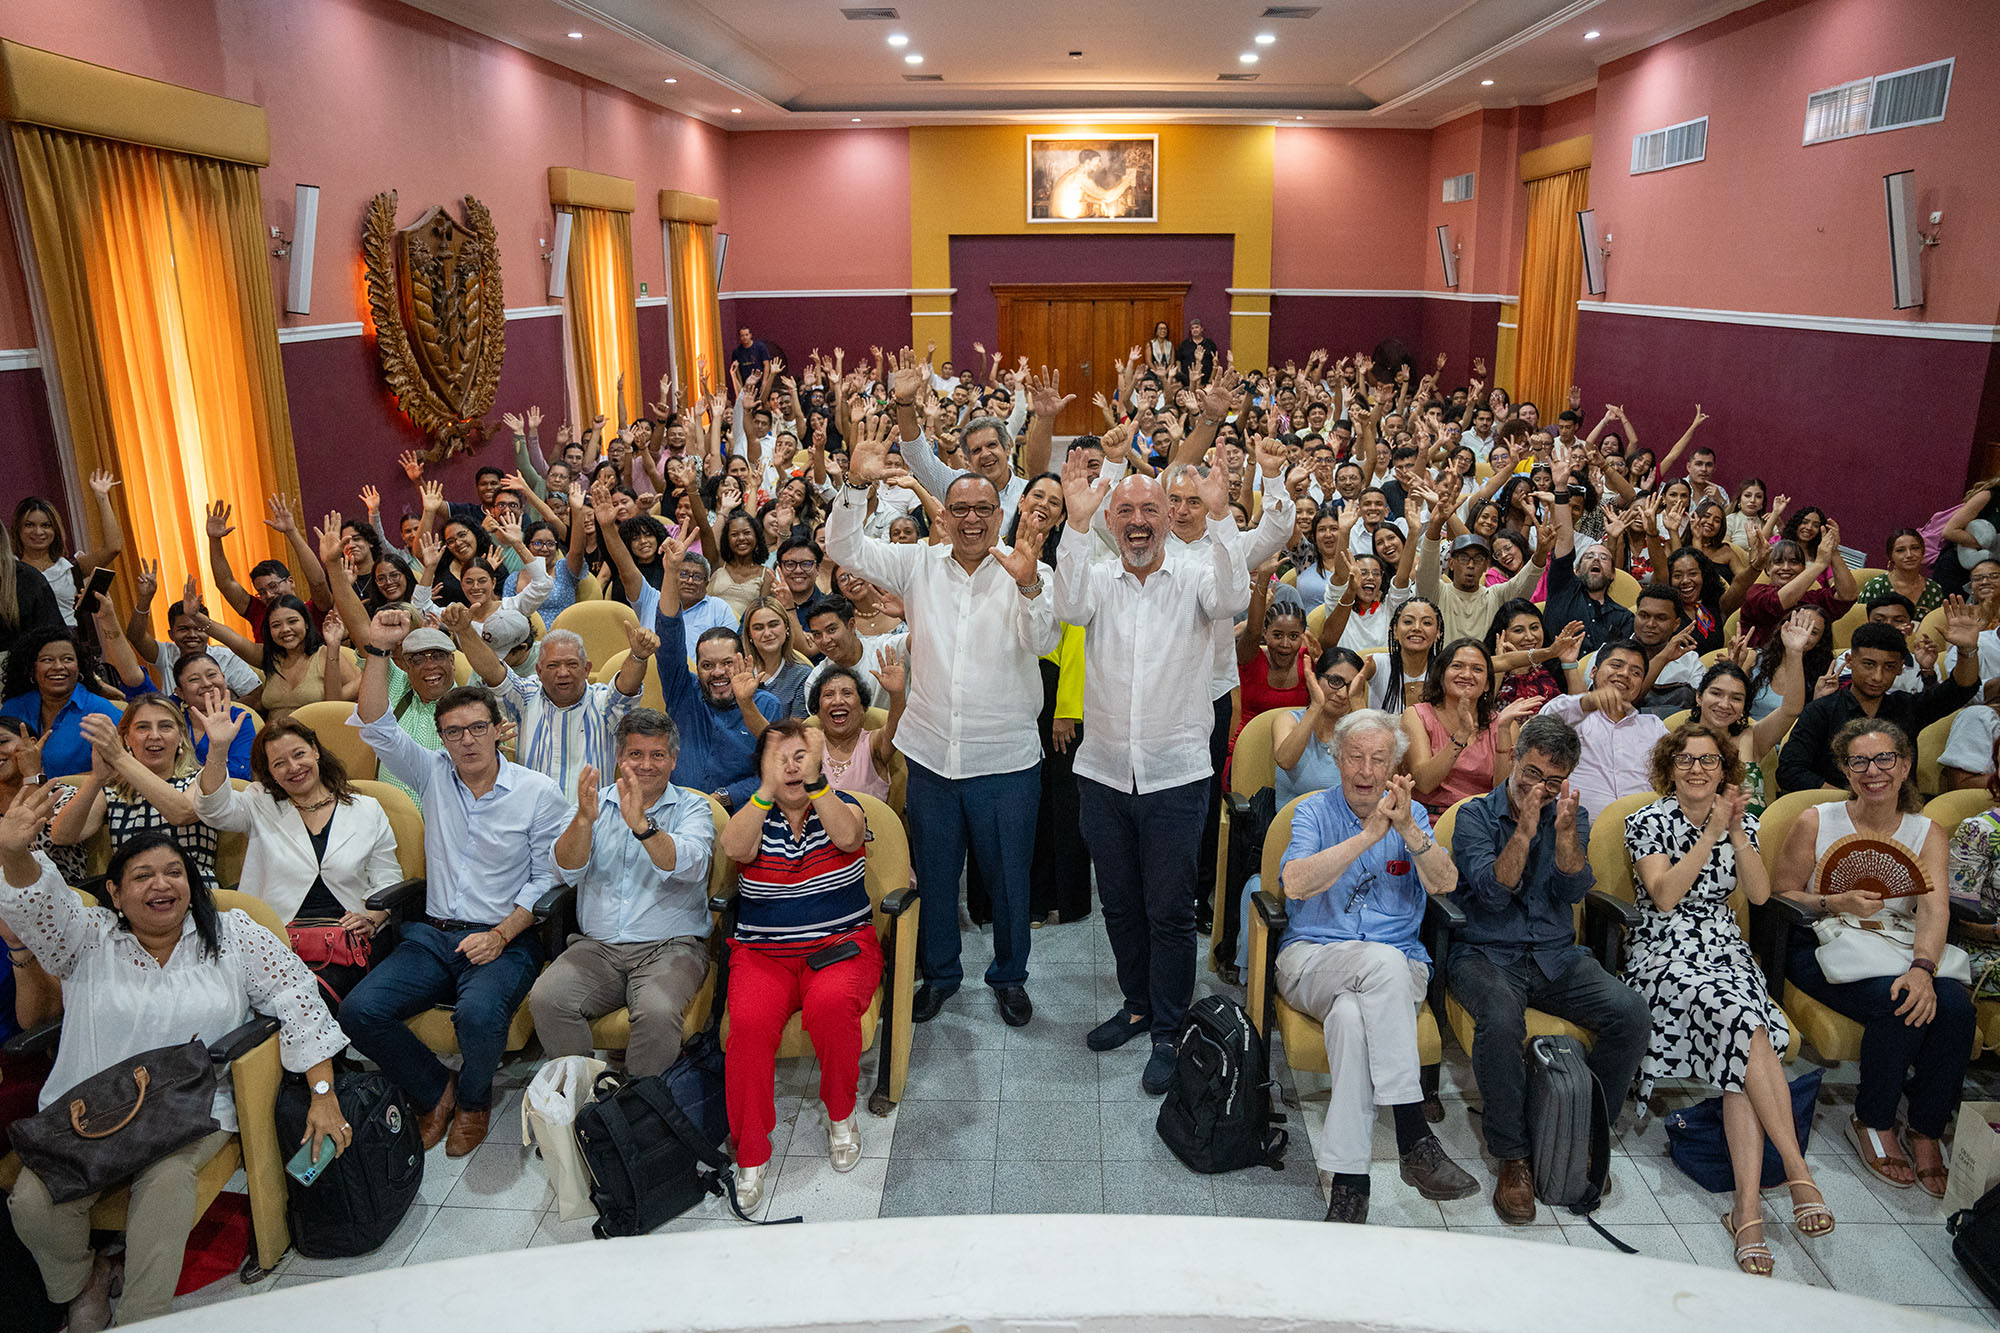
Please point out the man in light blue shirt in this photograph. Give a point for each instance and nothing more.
(638, 852)
(1355, 876)
(488, 827)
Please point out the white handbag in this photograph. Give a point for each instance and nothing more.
(1855, 949)
(548, 1114)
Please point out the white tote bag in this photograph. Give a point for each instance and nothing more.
(548, 1120)
(1851, 951)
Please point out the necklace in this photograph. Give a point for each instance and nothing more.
(316, 805)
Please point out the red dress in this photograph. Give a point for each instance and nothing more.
(1258, 696)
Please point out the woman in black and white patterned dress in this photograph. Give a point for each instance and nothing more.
(1713, 1018)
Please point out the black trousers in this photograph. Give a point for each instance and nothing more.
(1211, 820)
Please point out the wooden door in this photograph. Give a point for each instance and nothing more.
(1083, 330)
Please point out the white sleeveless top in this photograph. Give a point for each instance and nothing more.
(1835, 823)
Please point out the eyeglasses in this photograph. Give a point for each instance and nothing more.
(798, 566)
(1361, 891)
(981, 510)
(1707, 762)
(473, 729)
(1551, 784)
(1861, 763)
(428, 656)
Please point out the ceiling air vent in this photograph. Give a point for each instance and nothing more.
(1235, 78)
(1910, 97)
(923, 78)
(1674, 146)
(1289, 12)
(1458, 189)
(876, 15)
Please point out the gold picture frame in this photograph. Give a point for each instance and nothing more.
(1107, 178)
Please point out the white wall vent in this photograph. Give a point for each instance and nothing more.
(1674, 146)
(1895, 101)
(1458, 189)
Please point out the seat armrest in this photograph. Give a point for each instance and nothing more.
(1599, 903)
(243, 1040)
(1791, 913)
(722, 902)
(547, 905)
(1969, 912)
(1237, 804)
(1771, 925)
(1606, 920)
(34, 1040)
(398, 900)
(894, 903)
(1271, 910)
(1445, 910)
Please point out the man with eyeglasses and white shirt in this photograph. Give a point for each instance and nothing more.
(490, 827)
(979, 621)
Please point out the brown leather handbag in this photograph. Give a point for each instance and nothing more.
(119, 1121)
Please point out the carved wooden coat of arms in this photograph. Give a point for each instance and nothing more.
(440, 318)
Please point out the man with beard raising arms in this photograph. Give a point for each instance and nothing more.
(1579, 588)
(1143, 768)
(979, 620)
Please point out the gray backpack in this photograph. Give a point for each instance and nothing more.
(1569, 1129)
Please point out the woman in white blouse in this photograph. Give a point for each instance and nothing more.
(161, 965)
(317, 848)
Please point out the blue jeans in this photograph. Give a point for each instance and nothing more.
(426, 969)
(1143, 848)
(994, 818)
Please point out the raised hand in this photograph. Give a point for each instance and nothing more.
(433, 493)
(1797, 632)
(25, 819)
(1214, 489)
(815, 757)
(1045, 395)
(327, 534)
(371, 499)
(333, 629)
(631, 802)
(1217, 396)
(1569, 643)
(1023, 560)
(1567, 803)
(587, 783)
(890, 671)
(1961, 624)
(219, 525)
(413, 466)
(102, 481)
(908, 377)
(430, 550)
(1734, 802)
(219, 725)
(1827, 684)
(1925, 649)
(102, 733)
(743, 680)
(1081, 495)
(868, 450)
(512, 421)
(147, 581)
(456, 619)
(388, 629)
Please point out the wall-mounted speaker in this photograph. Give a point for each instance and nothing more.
(558, 257)
(305, 224)
(721, 253)
(1906, 244)
(1593, 252)
(1448, 254)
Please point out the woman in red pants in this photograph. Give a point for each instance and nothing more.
(805, 944)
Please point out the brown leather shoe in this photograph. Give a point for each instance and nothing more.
(1514, 1194)
(468, 1131)
(433, 1123)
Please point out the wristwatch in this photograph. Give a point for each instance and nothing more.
(648, 831)
(321, 1088)
(373, 651)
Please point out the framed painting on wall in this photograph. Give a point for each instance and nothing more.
(1093, 178)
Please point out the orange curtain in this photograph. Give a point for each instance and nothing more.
(155, 284)
(697, 346)
(603, 317)
(1551, 279)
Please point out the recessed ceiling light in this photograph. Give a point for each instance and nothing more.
(1298, 117)
(1486, 83)
(1266, 38)
(577, 36)
(1248, 58)
(854, 120)
(673, 80)
(913, 59)
(736, 111)
(1591, 36)
(898, 39)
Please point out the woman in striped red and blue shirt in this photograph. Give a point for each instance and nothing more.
(805, 944)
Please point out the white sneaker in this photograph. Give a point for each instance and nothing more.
(750, 1187)
(843, 1143)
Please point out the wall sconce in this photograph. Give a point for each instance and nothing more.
(281, 244)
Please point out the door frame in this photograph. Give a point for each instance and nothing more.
(1007, 294)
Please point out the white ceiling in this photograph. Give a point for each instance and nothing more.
(790, 64)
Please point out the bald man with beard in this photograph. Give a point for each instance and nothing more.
(1143, 765)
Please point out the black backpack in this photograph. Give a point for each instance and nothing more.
(1975, 1241)
(1569, 1130)
(1217, 1113)
(1248, 824)
(362, 1195)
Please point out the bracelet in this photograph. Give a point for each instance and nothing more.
(824, 788)
(1571, 666)
(760, 802)
(1029, 589)
(1924, 965)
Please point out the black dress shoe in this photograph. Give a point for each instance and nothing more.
(929, 999)
(1015, 1009)
(1115, 1031)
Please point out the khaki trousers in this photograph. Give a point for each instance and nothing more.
(654, 979)
(1365, 997)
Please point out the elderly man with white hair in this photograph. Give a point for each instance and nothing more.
(1356, 875)
(1143, 766)
(565, 719)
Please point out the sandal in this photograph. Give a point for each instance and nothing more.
(1754, 1257)
(1873, 1155)
(1932, 1179)
(1807, 1216)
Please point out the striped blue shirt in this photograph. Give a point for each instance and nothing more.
(560, 741)
(802, 889)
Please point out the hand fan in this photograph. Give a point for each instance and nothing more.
(1869, 865)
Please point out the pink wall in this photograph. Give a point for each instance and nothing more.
(1569, 117)
(1347, 209)
(814, 210)
(1765, 224)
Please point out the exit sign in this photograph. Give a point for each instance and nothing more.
(642, 289)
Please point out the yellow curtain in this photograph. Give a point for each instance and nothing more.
(153, 272)
(603, 319)
(697, 317)
(1551, 279)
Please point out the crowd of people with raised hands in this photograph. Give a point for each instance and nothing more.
(885, 578)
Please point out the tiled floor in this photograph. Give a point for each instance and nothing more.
(1004, 1120)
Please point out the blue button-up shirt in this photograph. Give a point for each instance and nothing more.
(1370, 901)
(483, 856)
(716, 744)
(1536, 918)
(621, 896)
(64, 750)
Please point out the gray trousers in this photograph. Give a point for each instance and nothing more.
(653, 979)
(157, 1222)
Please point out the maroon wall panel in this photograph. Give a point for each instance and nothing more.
(28, 442)
(977, 262)
(1877, 431)
(1344, 325)
(1461, 330)
(348, 430)
(795, 325)
(655, 356)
